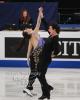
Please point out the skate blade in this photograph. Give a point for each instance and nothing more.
(31, 95)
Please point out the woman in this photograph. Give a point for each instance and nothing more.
(34, 49)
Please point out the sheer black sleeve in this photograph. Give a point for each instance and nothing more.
(46, 25)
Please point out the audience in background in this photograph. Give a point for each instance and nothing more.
(24, 19)
(2, 1)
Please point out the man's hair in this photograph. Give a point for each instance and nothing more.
(56, 27)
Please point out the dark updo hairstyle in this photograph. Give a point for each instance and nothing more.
(25, 34)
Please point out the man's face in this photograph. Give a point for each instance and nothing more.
(52, 31)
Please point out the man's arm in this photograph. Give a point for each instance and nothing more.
(45, 24)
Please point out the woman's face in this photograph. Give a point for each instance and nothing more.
(24, 13)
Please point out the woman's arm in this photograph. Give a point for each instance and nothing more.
(29, 50)
(38, 20)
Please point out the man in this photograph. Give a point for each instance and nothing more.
(51, 45)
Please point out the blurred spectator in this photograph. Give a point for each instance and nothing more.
(2, 1)
(24, 19)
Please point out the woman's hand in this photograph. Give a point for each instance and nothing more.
(41, 12)
(28, 62)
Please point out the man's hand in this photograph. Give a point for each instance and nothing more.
(41, 9)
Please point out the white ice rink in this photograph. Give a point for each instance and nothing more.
(66, 83)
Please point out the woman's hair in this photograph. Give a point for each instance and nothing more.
(22, 19)
(26, 35)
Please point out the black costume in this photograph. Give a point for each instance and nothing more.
(45, 60)
(34, 60)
